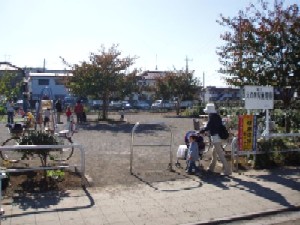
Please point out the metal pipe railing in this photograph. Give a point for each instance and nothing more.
(39, 147)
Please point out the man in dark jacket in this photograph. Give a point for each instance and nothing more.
(213, 127)
(58, 108)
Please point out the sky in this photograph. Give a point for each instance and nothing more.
(161, 33)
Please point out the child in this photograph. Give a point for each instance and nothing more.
(68, 114)
(192, 155)
(46, 117)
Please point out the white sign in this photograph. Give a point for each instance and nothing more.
(259, 97)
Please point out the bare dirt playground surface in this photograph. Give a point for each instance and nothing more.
(107, 149)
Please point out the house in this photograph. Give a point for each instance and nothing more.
(48, 83)
(221, 94)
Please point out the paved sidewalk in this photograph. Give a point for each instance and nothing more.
(207, 199)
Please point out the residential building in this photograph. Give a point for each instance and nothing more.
(220, 94)
(50, 82)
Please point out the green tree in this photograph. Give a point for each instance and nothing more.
(104, 76)
(10, 83)
(262, 47)
(178, 85)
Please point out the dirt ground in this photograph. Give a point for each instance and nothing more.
(108, 148)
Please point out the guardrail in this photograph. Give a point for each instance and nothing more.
(235, 152)
(39, 147)
(132, 144)
(3, 172)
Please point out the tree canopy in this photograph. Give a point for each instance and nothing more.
(262, 47)
(10, 83)
(177, 84)
(104, 76)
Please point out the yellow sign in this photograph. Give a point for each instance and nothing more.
(247, 133)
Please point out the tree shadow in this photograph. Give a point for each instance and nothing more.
(215, 179)
(282, 176)
(123, 127)
(46, 201)
(171, 176)
(261, 191)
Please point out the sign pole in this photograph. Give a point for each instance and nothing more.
(267, 129)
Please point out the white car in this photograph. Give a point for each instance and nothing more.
(162, 104)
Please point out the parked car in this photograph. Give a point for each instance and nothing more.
(96, 104)
(162, 104)
(117, 105)
(69, 101)
(126, 105)
(141, 105)
(185, 104)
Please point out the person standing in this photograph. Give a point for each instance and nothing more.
(10, 111)
(78, 111)
(192, 155)
(47, 115)
(68, 113)
(213, 127)
(58, 108)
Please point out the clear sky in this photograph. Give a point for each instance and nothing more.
(159, 32)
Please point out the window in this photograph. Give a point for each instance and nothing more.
(43, 81)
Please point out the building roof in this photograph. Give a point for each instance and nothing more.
(152, 75)
(50, 74)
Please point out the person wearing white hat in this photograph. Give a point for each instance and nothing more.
(213, 127)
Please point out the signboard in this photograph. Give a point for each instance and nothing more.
(259, 97)
(247, 133)
(46, 104)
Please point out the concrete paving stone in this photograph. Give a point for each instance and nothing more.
(70, 215)
(136, 214)
(122, 223)
(5, 221)
(112, 209)
(220, 213)
(163, 220)
(159, 212)
(94, 220)
(42, 217)
(23, 219)
(116, 217)
(71, 222)
(93, 211)
(206, 215)
(182, 218)
(132, 208)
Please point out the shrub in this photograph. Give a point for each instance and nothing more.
(38, 138)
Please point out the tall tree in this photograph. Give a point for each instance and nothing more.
(262, 47)
(179, 85)
(103, 76)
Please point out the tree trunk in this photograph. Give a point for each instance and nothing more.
(178, 107)
(105, 108)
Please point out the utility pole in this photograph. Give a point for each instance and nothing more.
(187, 64)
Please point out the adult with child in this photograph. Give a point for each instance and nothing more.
(214, 128)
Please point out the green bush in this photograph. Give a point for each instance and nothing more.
(38, 138)
(195, 111)
(273, 156)
(2, 110)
